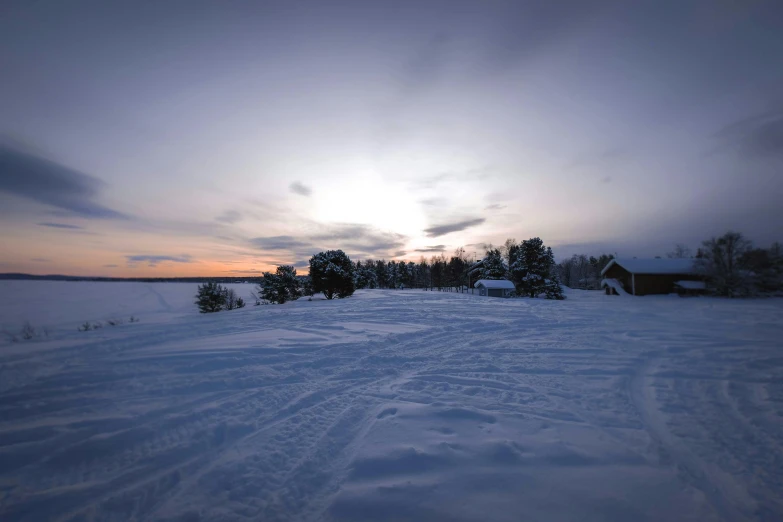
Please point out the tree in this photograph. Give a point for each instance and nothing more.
(332, 273)
(680, 252)
(494, 267)
(210, 297)
(230, 299)
(531, 267)
(552, 288)
(765, 269)
(281, 286)
(723, 262)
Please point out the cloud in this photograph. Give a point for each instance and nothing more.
(43, 181)
(41, 260)
(229, 216)
(248, 271)
(302, 264)
(110, 266)
(431, 182)
(60, 225)
(757, 136)
(300, 188)
(279, 243)
(361, 238)
(496, 206)
(154, 260)
(448, 228)
(431, 248)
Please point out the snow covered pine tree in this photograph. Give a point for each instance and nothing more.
(532, 267)
(280, 287)
(552, 288)
(332, 273)
(494, 267)
(211, 297)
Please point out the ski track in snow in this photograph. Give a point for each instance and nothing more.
(401, 405)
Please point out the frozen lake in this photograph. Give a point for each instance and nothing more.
(390, 405)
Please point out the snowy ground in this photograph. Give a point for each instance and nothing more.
(392, 405)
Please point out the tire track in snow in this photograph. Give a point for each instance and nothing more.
(720, 490)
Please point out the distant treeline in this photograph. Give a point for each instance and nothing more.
(31, 277)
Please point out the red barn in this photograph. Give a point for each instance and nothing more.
(648, 276)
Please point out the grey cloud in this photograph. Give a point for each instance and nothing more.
(362, 238)
(229, 216)
(41, 260)
(154, 260)
(606, 179)
(302, 264)
(431, 248)
(59, 225)
(300, 188)
(400, 253)
(109, 266)
(442, 230)
(496, 206)
(279, 243)
(477, 173)
(756, 136)
(38, 179)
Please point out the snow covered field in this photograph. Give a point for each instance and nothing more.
(391, 405)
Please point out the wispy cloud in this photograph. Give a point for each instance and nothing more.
(300, 188)
(448, 228)
(49, 183)
(110, 266)
(155, 260)
(229, 216)
(279, 243)
(758, 136)
(41, 260)
(60, 225)
(496, 206)
(431, 248)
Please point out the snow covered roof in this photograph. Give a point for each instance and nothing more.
(495, 283)
(653, 266)
(691, 285)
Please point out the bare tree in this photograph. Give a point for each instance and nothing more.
(722, 262)
(680, 252)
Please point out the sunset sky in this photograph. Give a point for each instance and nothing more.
(218, 138)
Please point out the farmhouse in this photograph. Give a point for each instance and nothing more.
(494, 287)
(649, 276)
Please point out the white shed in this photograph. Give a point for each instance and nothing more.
(494, 287)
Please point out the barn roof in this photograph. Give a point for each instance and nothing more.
(653, 266)
(494, 283)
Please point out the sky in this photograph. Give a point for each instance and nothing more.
(220, 138)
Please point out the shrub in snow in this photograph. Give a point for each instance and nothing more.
(240, 302)
(281, 286)
(307, 287)
(134, 319)
(552, 288)
(230, 299)
(211, 297)
(28, 331)
(331, 272)
(86, 327)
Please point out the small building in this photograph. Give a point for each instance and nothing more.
(649, 276)
(494, 287)
(685, 288)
